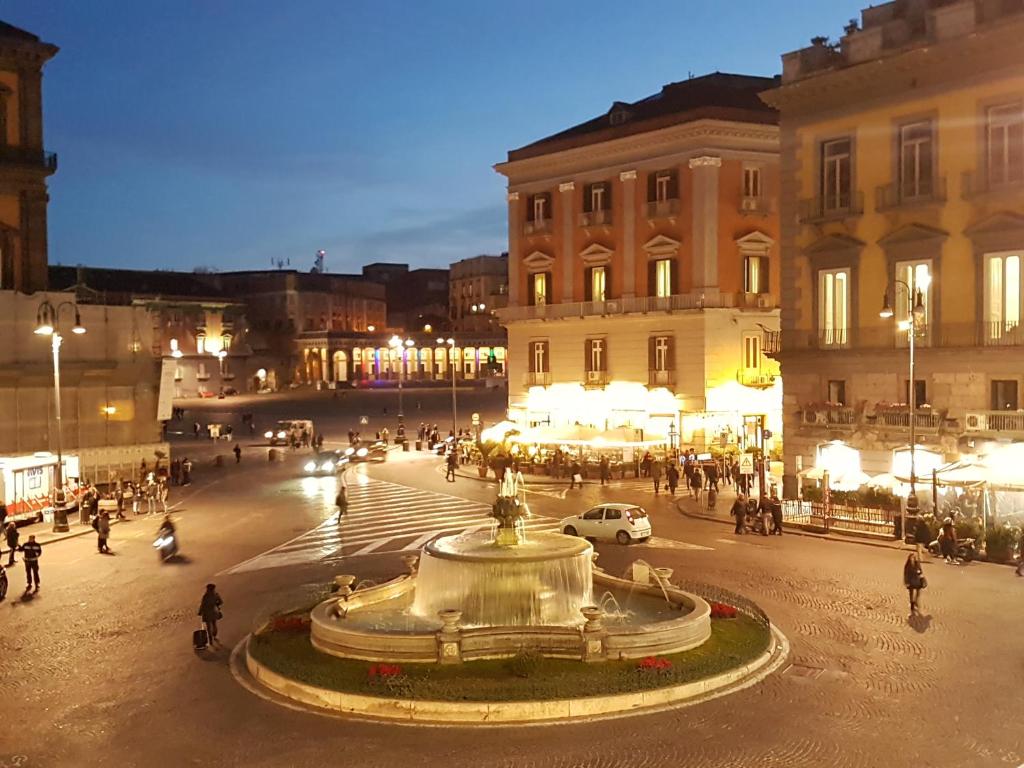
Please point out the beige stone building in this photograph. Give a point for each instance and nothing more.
(478, 288)
(644, 270)
(903, 181)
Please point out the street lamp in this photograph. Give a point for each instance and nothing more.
(451, 363)
(400, 344)
(47, 317)
(912, 325)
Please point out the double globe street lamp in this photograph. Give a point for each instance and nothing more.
(400, 345)
(451, 364)
(47, 318)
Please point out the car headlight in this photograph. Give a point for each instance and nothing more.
(327, 466)
(282, 435)
(268, 434)
(310, 466)
(362, 452)
(349, 451)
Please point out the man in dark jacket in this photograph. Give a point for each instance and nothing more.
(739, 511)
(12, 535)
(776, 509)
(209, 611)
(30, 552)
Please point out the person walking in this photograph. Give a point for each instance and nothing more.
(605, 470)
(672, 477)
(30, 552)
(186, 471)
(102, 526)
(696, 483)
(575, 476)
(739, 511)
(12, 536)
(162, 492)
(914, 581)
(764, 509)
(237, 450)
(119, 498)
(776, 509)
(210, 613)
(451, 461)
(656, 472)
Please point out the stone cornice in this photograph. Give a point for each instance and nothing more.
(706, 161)
(688, 137)
(567, 186)
(627, 176)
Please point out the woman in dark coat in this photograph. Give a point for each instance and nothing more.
(209, 611)
(913, 579)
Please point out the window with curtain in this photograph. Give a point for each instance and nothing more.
(916, 160)
(1005, 135)
(836, 180)
(663, 277)
(833, 306)
(1002, 293)
(755, 274)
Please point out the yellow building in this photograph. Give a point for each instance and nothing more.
(643, 267)
(903, 182)
(24, 165)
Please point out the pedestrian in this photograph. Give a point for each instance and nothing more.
(351, 437)
(645, 465)
(341, 501)
(176, 472)
(119, 498)
(1020, 550)
(776, 508)
(739, 511)
(102, 526)
(696, 483)
(947, 540)
(237, 450)
(186, 471)
(195, 430)
(162, 492)
(30, 552)
(914, 580)
(764, 509)
(656, 472)
(711, 474)
(575, 475)
(132, 494)
(451, 461)
(672, 477)
(210, 613)
(12, 536)
(3, 516)
(384, 435)
(605, 470)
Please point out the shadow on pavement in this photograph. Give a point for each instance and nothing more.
(919, 623)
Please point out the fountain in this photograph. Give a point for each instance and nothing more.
(491, 593)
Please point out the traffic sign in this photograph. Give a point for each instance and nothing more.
(364, 420)
(476, 419)
(766, 434)
(746, 463)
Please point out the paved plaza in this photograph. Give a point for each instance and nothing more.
(97, 669)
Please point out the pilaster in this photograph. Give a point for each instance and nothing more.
(568, 261)
(628, 179)
(705, 171)
(514, 220)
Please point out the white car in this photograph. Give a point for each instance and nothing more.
(624, 523)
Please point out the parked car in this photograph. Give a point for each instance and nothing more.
(375, 451)
(283, 430)
(325, 463)
(623, 523)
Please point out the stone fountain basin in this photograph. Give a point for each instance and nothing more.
(374, 624)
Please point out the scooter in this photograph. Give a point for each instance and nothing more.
(166, 546)
(965, 549)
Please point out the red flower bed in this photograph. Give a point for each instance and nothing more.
(722, 611)
(292, 623)
(383, 671)
(655, 663)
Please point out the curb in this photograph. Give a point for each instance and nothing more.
(76, 534)
(270, 685)
(792, 531)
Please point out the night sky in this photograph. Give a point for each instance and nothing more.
(219, 134)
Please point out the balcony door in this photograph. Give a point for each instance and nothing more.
(833, 307)
(1002, 294)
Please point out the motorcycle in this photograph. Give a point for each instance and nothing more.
(965, 549)
(166, 545)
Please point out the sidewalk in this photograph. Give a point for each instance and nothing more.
(723, 505)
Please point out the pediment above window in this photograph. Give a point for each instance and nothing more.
(662, 245)
(755, 243)
(912, 233)
(538, 262)
(595, 255)
(834, 251)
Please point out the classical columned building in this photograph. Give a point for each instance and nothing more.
(643, 267)
(903, 188)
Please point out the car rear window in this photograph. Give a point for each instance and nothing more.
(637, 513)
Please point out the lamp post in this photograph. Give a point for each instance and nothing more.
(47, 317)
(400, 344)
(915, 317)
(451, 364)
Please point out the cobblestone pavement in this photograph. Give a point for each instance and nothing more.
(98, 669)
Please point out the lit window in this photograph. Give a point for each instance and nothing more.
(225, 342)
(1002, 293)
(833, 306)
(752, 352)
(201, 343)
(663, 277)
(597, 283)
(755, 274)
(174, 345)
(916, 274)
(540, 288)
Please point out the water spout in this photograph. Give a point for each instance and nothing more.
(660, 580)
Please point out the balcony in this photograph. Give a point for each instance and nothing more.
(755, 204)
(28, 158)
(594, 379)
(974, 186)
(694, 301)
(816, 210)
(833, 416)
(893, 196)
(928, 421)
(833, 338)
(1001, 334)
(596, 219)
(537, 378)
(755, 378)
(662, 209)
(538, 227)
(1005, 423)
(771, 342)
(661, 378)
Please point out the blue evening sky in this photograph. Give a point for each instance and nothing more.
(227, 133)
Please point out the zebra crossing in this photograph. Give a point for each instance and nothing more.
(382, 517)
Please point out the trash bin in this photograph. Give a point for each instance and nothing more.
(405, 445)
(218, 461)
(419, 445)
(272, 454)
